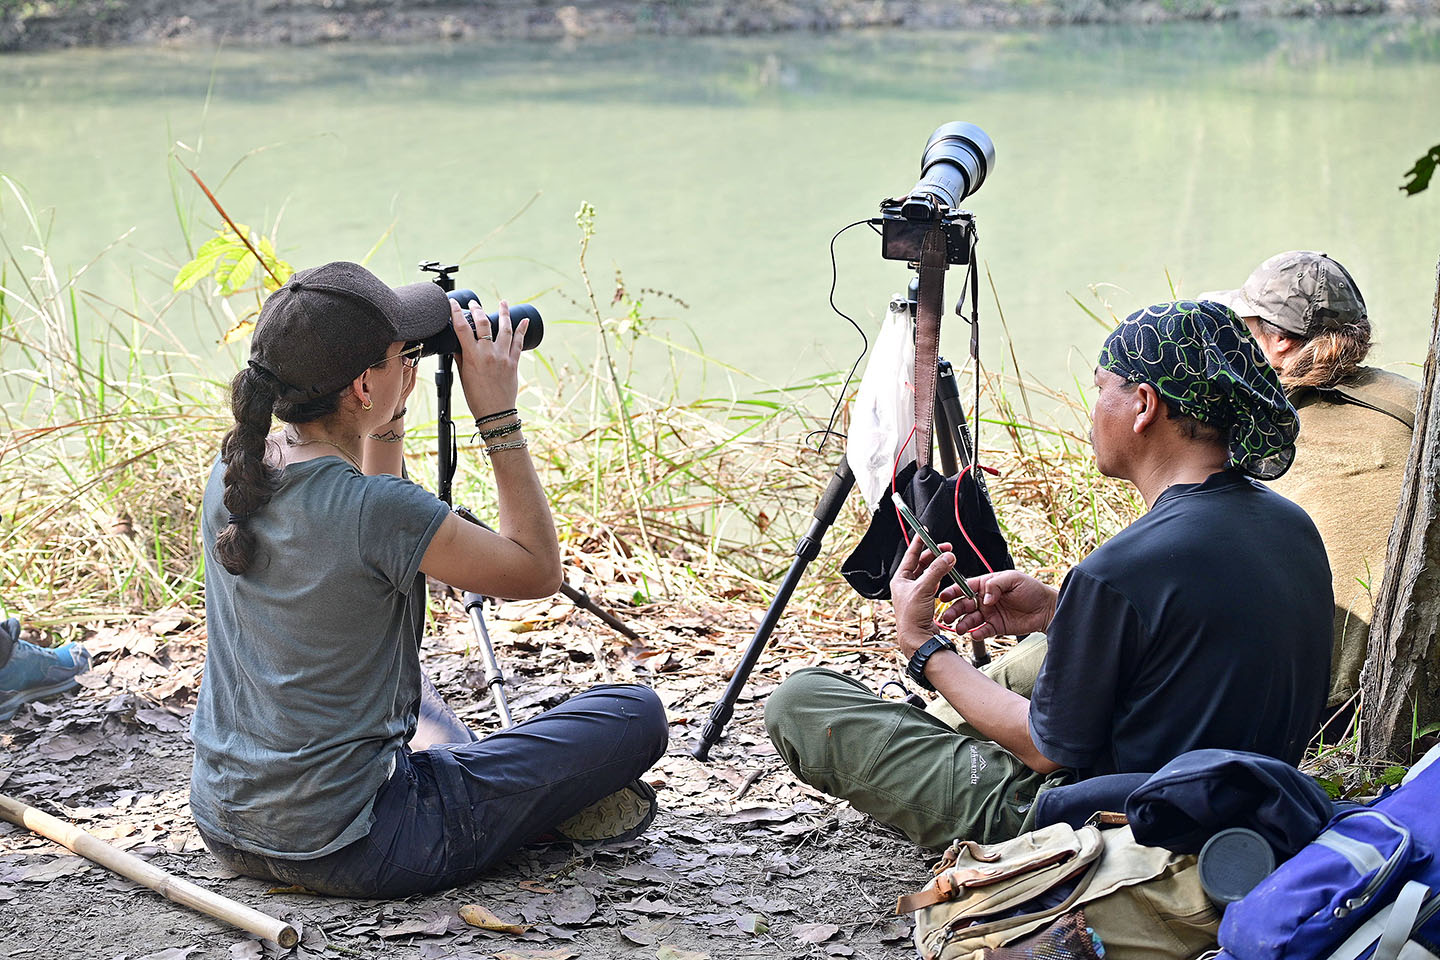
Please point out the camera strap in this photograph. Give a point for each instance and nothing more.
(927, 337)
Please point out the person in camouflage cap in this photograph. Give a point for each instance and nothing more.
(1306, 312)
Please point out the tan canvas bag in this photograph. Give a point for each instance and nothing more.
(1145, 903)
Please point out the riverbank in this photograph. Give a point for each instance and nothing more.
(43, 24)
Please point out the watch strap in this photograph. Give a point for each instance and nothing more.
(916, 666)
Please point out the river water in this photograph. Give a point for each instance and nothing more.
(1129, 158)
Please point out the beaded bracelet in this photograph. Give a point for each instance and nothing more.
(504, 431)
(507, 445)
(481, 421)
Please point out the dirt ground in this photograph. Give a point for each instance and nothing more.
(743, 861)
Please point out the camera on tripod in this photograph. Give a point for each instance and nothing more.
(928, 230)
(957, 159)
(445, 341)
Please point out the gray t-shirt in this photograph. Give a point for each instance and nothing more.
(312, 674)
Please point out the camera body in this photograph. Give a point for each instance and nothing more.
(446, 342)
(902, 238)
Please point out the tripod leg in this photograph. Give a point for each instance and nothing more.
(582, 600)
(805, 551)
(494, 679)
(577, 597)
(944, 435)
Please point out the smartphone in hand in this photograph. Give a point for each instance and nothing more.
(909, 516)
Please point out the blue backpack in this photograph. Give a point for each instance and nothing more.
(1367, 888)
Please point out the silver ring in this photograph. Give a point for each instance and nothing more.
(488, 338)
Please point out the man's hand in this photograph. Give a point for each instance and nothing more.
(913, 590)
(1011, 604)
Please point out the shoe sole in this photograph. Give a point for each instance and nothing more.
(623, 815)
(12, 704)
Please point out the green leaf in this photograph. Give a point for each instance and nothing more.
(205, 259)
(237, 276)
(1421, 173)
(1331, 786)
(1392, 776)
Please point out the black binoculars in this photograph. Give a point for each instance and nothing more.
(445, 341)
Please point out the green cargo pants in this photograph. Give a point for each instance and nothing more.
(900, 764)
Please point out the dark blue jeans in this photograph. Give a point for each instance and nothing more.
(455, 804)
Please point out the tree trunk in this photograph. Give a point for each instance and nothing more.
(1400, 684)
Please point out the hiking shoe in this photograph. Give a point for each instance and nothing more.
(33, 673)
(623, 815)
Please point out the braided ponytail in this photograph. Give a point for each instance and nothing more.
(249, 481)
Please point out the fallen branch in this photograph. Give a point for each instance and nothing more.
(172, 887)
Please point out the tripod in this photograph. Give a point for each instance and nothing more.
(957, 451)
(446, 462)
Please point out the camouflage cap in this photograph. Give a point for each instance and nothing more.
(1300, 291)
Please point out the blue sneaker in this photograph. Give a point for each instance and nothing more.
(33, 673)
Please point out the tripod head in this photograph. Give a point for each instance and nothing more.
(444, 276)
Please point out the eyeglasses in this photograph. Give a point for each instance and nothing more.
(410, 356)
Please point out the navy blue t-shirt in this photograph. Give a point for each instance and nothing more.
(1205, 623)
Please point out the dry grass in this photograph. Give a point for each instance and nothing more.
(109, 436)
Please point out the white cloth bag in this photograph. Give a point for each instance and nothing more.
(884, 411)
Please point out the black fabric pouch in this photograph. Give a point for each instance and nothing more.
(1198, 794)
(933, 498)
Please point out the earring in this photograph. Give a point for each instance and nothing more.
(366, 405)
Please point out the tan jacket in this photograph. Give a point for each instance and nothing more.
(1348, 470)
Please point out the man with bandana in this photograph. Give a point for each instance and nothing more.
(1205, 623)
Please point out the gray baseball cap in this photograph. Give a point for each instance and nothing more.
(1300, 291)
(327, 324)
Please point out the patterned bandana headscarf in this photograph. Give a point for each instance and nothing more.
(1201, 359)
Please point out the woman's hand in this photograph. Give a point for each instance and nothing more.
(1011, 604)
(489, 360)
(407, 386)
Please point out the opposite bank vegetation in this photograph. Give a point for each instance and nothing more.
(108, 432)
(40, 24)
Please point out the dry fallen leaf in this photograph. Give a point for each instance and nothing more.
(667, 952)
(534, 886)
(478, 916)
(814, 932)
(170, 953)
(536, 955)
(647, 933)
(61, 866)
(573, 907)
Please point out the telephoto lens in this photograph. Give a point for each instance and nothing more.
(445, 342)
(957, 159)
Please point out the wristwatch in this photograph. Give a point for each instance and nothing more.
(916, 667)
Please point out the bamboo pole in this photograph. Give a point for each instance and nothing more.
(181, 891)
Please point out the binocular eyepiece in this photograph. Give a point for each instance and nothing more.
(446, 342)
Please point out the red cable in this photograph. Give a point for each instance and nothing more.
(960, 477)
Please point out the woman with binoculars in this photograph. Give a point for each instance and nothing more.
(323, 757)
